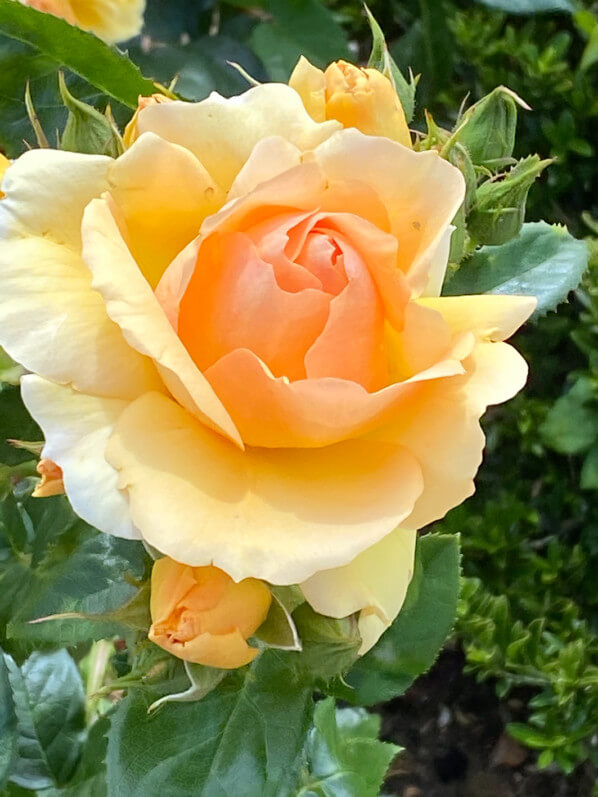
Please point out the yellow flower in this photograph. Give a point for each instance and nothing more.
(250, 363)
(201, 615)
(112, 20)
(356, 97)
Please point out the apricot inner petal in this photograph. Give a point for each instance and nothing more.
(233, 300)
(351, 346)
(307, 413)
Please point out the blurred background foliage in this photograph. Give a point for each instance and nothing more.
(528, 617)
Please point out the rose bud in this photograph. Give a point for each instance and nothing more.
(355, 97)
(201, 615)
(51, 482)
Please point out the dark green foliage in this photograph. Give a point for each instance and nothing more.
(181, 746)
(528, 614)
(343, 753)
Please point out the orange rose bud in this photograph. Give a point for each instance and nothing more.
(355, 97)
(201, 615)
(131, 133)
(51, 483)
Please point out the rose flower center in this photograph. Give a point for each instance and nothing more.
(292, 290)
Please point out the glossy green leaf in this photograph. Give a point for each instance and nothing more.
(543, 261)
(571, 426)
(49, 702)
(8, 723)
(201, 66)
(343, 753)
(105, 67)
(55, 563)
(21, 65)
(589, 471)
(412, 643)
(89, 779)
(298, 27)
(242, 739)
(529, 6)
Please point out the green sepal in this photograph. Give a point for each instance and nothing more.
(488, 128)
(87, 130)
(499, 210)
(203, 680)
(381, 59)
(278, 629)
(330, 645)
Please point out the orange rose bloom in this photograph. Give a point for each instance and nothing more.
(252, 366)
(201, 615)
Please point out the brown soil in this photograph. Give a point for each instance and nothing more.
(453, 732)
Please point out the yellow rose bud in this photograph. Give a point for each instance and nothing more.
(131, 130)
(112, 20)
(51, 483)
(355, 97)
(201, 615)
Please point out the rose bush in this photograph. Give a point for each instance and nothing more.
(112, 20)
(238, 349)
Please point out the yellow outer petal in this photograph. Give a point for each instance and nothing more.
(278, 515)
(374, 583)
(492, 317)
(221, 132)
(310, 84)
(76, 427)
(163, 195)
(51, 320)
(132, 304)
(440, 426)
